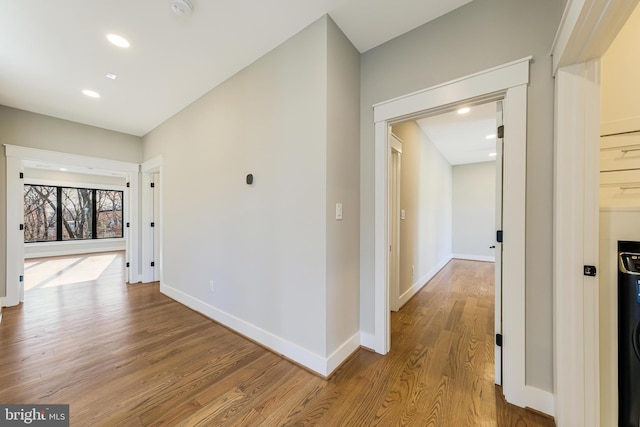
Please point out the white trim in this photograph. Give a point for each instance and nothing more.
(367, 341)
(618, 126)
(576, 325)
(292, 351)
(49, 249)
(541, 400)
(15, 237)
(496, 79)
(74, 184)
(153, 165)
(482, 258)
(421, 282)
(587, 29)
(509, 81)
(15, 157)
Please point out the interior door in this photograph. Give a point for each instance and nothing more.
(394, 196)
(498, 244)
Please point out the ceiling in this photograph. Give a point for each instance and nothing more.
(51, 50)
(463, 138)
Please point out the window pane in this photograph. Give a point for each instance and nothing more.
(77, 207)
(40, 203)
(109, 207)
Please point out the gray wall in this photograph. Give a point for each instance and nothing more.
(478, 36)
(18, 127)
(474, 209)
(343, 186)
(291, 119)
(425, 196)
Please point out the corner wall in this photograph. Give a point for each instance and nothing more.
(284, 271)
(478, 36)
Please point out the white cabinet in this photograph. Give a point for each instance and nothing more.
(620, 170)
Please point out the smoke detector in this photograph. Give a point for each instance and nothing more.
(181, 7)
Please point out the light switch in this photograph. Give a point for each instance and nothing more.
(338, 211)
(402, 215)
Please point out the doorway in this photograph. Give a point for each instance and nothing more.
(17, 158)
(508, 82)
(445, 201)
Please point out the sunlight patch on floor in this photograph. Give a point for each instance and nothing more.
(59, 272)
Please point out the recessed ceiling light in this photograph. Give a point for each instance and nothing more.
(63, 169)
(118, 40)
(492, 154)
(493, 135)
(464, 110)
(91, 93)
(111, 76)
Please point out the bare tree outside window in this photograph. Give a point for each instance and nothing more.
(77, 213)
(64, 213)
(109, 213)
(40, 214)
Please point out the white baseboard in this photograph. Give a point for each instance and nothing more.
(540, 400)
(50, 249)
(474, 257)
(367, 340)
(292, 351)
(406, 296)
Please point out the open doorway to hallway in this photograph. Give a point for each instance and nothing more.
(446, 186)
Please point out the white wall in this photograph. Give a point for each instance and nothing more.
(478, 36)
(425, 196)
(474, 206)
(620, 86)
(22, 128)
(270, 248)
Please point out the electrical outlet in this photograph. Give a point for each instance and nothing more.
(211, 288)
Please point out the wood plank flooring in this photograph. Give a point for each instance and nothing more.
(125, 355)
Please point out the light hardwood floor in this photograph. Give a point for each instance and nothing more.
(125, 355)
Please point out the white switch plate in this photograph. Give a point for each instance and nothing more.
(338, 211)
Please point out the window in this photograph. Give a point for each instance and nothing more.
(66, 213)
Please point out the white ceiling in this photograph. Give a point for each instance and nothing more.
(462, 138)
(52, 49)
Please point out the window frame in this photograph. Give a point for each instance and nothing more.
(94, 212)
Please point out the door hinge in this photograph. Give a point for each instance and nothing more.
(21, 226)
(153, 224)
(21, 175)
(499, 236)
(153, 264)
(153, 185)
(128, 184)
(21, 278)
(590, 270)
(128, 265)
(128, 225)
(501, 131)
(499, 340)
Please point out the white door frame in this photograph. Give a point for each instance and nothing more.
(508, 81)
(15, 156)
(587, 29)
(394, 214)
(151, 246)
(575, 221)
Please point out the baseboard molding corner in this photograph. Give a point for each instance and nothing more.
(367, 340)
(278, 345)
(419, 284)
(468, 257)
(540, 400)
